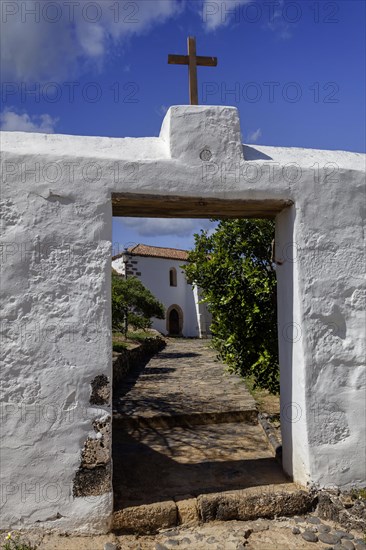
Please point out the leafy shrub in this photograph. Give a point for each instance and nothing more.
(234, 270)
(131, 297)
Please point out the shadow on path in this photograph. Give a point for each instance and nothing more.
(143, 475)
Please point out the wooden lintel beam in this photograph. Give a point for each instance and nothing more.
(131, 205)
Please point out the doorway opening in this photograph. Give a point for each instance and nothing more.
(175, 320)
(174, 406)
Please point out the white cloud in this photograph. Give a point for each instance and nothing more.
(10, 121)
(254, 136)
(157, 227)
(220, 13)
(278, 24)
(48, 41)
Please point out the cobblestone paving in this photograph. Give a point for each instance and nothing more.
(184, 378)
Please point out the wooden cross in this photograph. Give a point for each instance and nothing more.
(192, 60)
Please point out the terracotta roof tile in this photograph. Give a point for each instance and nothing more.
(156, 252)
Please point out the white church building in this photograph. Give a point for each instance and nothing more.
(160, 270)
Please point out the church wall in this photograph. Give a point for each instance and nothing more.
(154, 273)
(203, 315)
(155, 276)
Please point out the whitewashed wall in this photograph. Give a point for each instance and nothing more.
(55, 284)
(204, 317)
(155, 276)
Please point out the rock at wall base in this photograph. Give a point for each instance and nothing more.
(330, 506)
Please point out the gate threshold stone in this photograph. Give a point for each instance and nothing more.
(145, 519)
(268, 501)
(252, 503)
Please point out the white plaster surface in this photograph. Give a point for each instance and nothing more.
(55, 284)
(155, 276)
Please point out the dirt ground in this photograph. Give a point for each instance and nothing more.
(260, 534)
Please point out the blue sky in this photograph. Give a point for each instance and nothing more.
(294, 69)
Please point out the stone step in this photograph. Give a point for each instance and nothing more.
(183, 384)
(186, 419)
(267, 501)
(154, 469)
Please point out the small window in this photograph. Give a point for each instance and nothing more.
(173, 277)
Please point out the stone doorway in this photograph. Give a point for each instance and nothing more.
(174, 319)
(173, 322)
(162, 452)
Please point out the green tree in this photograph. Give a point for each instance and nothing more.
(233, 267)
(132, 297)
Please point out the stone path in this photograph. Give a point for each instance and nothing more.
(184, 429)
(185, 379)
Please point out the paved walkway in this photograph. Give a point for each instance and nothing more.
(183, 426)
(183, 379)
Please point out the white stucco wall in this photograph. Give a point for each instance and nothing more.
(204, 317)
(155, 276)
(55, 283)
